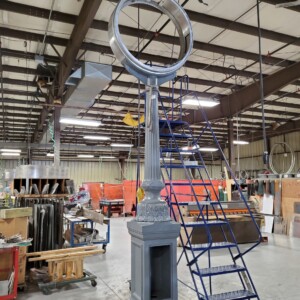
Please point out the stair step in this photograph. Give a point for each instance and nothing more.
(184, 194)
(207, 223)
(176, 136)
(189, 183)
(173, 123)
(219, 270)
(220, 245)
(236, 295)
(180, 166)
(195, 203)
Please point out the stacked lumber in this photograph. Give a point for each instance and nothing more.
(65, 264)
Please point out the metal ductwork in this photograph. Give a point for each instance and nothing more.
(85, 84)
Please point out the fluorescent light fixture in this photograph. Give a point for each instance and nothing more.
(190, 148)
(195, 101)
(82, 122)
(203, 149)
(11, 150)
(167, 158)
(50, 154)
(107, 157)
(96, 138)
(240, 142)
(121, 145)
(186, 153)
(10, 154)
(208, 149)
(85, 156)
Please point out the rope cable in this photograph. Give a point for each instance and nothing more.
(138, 163)
(261, 86)
(2, 95)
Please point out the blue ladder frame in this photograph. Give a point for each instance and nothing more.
(192, 252)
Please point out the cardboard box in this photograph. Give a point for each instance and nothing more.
(93, 215)
(182, 231)
(13, 226)
(184, 210)
(15, 212)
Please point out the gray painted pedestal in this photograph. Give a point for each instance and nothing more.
(153, 260)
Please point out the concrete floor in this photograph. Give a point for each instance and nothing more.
(274, 268)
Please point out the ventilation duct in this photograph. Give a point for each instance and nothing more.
(84, 85)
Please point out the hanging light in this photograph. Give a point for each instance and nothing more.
(85, 156)
(10, 154)
(208, 149)
(107, 157)
(202, 149)
(80, 122)
(11, 150)
(167, 158)
(50, 154)
(121, 145)
(239, 142)
(96, 137)
(193, 100)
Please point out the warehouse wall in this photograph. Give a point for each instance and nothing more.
(250, 160)
(110, 172)
(251, 155)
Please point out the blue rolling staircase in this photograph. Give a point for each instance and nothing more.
(201, 258)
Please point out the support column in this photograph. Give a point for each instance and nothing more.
(56, 126)
(231, 152)
(153, 233)
(152, 208)
(29, 156)
(122, 165)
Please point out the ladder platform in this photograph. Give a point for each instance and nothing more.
(189, 184)
(176, 136)
(173, 123)
(220, 245)
(219, 270)
(195, 203)
(180, 166)
(236, 295)
(206, 223)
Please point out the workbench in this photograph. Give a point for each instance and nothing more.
(72, 221)
(110, 206)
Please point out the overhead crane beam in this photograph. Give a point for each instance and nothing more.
(241, 100)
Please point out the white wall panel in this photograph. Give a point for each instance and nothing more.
(84, 171)
(110, 171)
(9, 163)
(254, 148)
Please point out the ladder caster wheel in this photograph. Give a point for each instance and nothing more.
(104, 248)
(46, 292)
(93, 283)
